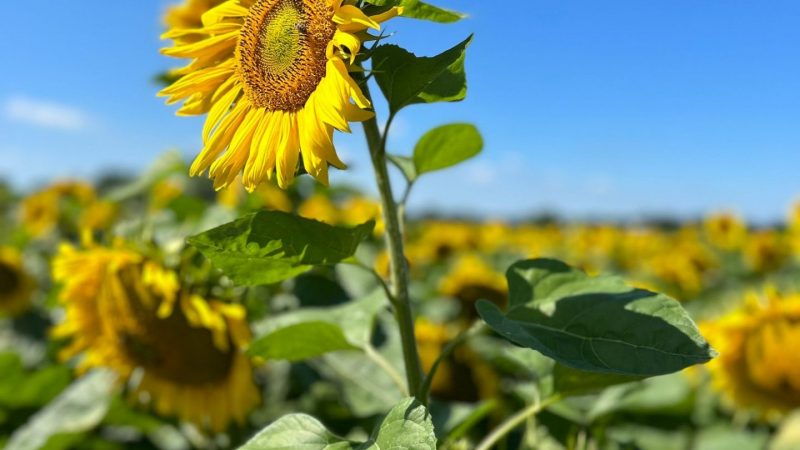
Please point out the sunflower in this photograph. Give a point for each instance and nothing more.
(470, 280)
(725, 230)
(461, 377)
(188, 14)
(766, 251)
(16, 286)
(274, 78)
(43, 210)
(128, 313)
(758, 367)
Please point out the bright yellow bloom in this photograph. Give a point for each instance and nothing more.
(684, 266)
(766, 251)
(163, 193)
(440, 240)
(16, 286)
(98, 215)
(470, 280)
(189, 14)
(319, 207)
(725, 230)
(358, 210)
(126, 312)
(758, 366)
(274, 78)
(42, 210)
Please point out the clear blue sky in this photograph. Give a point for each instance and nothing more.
(613, 108)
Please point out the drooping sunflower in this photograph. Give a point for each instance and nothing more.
(132, 315)
(16, 286)
(758, 367)
(274, 78)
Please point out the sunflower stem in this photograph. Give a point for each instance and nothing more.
(394, 239)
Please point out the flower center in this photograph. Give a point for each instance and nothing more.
(9, 279)
(170, 348)
(281, 51)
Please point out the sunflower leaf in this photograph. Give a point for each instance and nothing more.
(407, 425)
(406, 79)
(416, 9)
(446, 146)
(81, 407)
(595, 324)
(271, 246)
(311, 332)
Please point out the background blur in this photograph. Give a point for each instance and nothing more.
(616, 109)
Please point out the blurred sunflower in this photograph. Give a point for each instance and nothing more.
(128, 313)
(725, 230)
(42, 210)
(758, 366)
(16, 286)
(274, 78)
(461, 377)
(766, 251)
(470, 280)
(188, 14)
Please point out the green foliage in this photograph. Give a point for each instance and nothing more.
(271, 246)
(407, 426)
(595, 324)
(416, 9)
(406, 79)
(79, 408)
(22, 389)
(446, 146)
(311, 332)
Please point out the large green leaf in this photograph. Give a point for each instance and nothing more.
(271, 246)
(407, 426)
(416, 9)
(311, 332)
(406, 79)
(595, 324)
(79, 408)
(446, 146)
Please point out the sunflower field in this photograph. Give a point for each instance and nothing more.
(242, 300)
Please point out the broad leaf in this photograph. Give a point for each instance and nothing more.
(407, 79)
(595, 324)
(446, 146)
(407, 426)
(568, 381)
(271, 246)
(416, 9)
(79, 408)
(311, 332)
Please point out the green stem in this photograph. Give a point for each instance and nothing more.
(513, 422)
(394, 240)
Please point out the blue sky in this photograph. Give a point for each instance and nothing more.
(592, 109)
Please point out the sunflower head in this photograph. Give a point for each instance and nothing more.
(766, 251)
(16, 286)
(127, 312)
(758, 367)
(274, 78)
(470, 280)
(725, 230)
